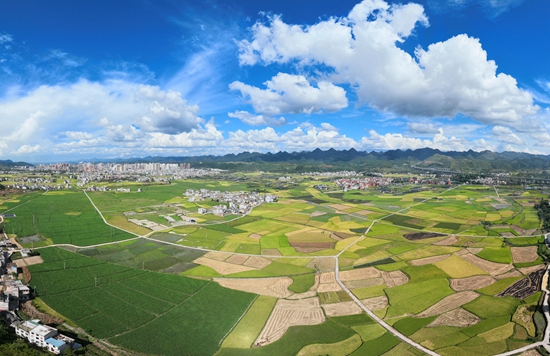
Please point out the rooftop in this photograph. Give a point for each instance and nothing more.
(55, 342)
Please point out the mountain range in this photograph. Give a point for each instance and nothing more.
(467, 161)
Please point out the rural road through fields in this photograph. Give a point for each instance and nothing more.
(545, 343)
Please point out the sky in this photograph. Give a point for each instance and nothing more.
(134, 78)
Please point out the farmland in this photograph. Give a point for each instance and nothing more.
(455, 270)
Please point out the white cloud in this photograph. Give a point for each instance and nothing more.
(293, 94)
(392, 141)
(257, 120)
(5, 38)
(504, 134)
(64, 58)
(80, 110)
(78, 135)
(447, 78)
(493, 8)
(27, 149)
(422, 128)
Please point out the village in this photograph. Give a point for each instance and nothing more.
(239, 202)
(14, 293)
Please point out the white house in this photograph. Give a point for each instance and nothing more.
(43, 335)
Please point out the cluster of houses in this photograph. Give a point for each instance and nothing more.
(432, 180)
(238, 202)
(44, 336)
(333, 174)
(13, 292)
(362, 183)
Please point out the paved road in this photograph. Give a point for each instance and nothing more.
(545, 343)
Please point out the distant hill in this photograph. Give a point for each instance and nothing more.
(9, 164)
(467, 161)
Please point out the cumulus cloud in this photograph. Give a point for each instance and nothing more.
(27, 149)
(422, 128)
(504, 134)
(391, 141)
(167, 112)
(287, 93)
(257, 120)
(119, 110)
(305, 137)
(78, 135)
(447, 78)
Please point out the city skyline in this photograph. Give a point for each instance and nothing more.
(128, 79)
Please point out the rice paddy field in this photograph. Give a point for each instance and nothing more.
(454, 269)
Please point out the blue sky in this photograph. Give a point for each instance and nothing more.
(106, 79)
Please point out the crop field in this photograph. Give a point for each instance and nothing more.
(128, 306)
(435, 263)
(67, 218)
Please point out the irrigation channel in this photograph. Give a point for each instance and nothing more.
(546, 306)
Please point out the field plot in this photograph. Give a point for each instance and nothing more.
(146, 254)
(128, 306)
(288, 313)
(268, 285)
(69, 218)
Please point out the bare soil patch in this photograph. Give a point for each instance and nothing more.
(474, 250)
(524, 254)
(527, 270)
(364, 212)
(421, 235)
(526, 286)
(271, 252)
(26, 274)
(342, 308)
(288, 313)
(342, 235)
(237, 259)
(329, 287)
(28, 261)
(359, 273)
(492, 268)
(317, 213)
(375, 303)
(327, 277)
(531, 352)
(394, 278)
(255, 236)
(449, 303)
(448, 241)
(339, 206)
(13, 241)
(327, 283)
(429, 260)
(218, 256)
(471, 283)
(257, 262)
(371, 282)
(222, 267)
(322, 264)
(512, 273)
(458, 318)
(316, 245)
(272, 287)
(34, 313)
